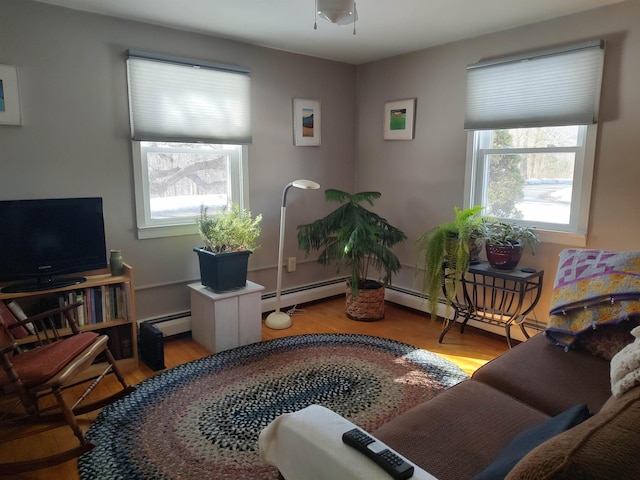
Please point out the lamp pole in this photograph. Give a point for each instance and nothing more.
(278, 320)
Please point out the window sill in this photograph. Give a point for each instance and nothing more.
(562, 238)
(166, 231)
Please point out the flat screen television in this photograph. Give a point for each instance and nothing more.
(43, 241)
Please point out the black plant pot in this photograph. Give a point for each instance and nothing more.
(504, 257)
(223, 272)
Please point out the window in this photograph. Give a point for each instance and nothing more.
(190, 122)
(532, 122)
(537, 176)
(173, 180)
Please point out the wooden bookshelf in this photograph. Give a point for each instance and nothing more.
(117, 321)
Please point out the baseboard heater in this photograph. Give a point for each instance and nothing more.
(303, 294)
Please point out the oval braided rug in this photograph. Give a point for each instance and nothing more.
(202, 419)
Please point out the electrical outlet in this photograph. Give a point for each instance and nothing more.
(291, 264)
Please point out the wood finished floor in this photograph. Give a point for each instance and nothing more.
(469, 351)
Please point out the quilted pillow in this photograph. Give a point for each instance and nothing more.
(607, 340)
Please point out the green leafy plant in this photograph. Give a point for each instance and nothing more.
(509, 234)
(353, 238)
(229, 230)
(449, 244)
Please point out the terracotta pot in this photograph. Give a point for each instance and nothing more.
(504, 257)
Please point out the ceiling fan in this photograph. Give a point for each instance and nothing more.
(340, 12)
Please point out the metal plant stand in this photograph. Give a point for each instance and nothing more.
(496, 297)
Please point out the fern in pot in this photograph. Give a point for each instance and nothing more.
(229, 237)
(455, 245)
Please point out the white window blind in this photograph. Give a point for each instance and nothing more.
(550, 88)
(181, 100)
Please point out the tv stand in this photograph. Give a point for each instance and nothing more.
(43, 284)
(108, 308)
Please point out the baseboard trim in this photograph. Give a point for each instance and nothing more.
(171, 325)
(181, 322)
(304, 294)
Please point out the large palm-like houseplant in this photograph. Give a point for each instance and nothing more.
(355, 239)
(452, 245)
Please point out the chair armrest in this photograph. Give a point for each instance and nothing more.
(8, 348)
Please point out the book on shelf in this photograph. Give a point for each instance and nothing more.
(120, 341)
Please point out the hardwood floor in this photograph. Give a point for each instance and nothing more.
(469, 351)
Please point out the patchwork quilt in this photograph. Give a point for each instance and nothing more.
(592, 288)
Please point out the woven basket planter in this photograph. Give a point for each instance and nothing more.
(367, 306)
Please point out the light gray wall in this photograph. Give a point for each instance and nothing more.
(422, 180)
(75, 138)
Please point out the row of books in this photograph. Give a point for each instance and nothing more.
(101, 304)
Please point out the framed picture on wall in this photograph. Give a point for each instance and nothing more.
(399, 118)
(10, 113)
(306, 122)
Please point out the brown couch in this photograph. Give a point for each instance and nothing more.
(467, 428)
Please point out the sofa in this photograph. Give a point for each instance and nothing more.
(565, 404)
(494, 424)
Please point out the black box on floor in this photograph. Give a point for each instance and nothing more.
(151, 346)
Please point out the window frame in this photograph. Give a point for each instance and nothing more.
(154, 228)
(574, 234)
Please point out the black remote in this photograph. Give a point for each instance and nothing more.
(379, 453)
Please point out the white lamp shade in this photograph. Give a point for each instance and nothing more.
(305, 184)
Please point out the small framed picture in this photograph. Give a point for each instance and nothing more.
(399, 118)
(306, 122)
(10, 113)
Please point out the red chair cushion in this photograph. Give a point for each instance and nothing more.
(36, 366)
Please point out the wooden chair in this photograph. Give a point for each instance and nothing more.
(55, 361)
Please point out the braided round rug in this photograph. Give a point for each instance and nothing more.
(202, 419)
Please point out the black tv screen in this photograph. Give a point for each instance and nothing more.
(44, 239)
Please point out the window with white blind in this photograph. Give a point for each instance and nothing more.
(190, 124)
(532, 122)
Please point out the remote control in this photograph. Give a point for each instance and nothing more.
(379, 453)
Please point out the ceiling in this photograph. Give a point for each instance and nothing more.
(384, 28)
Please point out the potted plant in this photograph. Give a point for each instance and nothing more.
(229, 236)
(453, 244)
(505, 242)
(355, 239)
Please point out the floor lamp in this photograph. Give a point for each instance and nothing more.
(280, 320)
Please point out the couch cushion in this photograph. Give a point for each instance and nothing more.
(603, 447)
(547, 377)
(459, 432)
(607, 340)
(527, 440)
